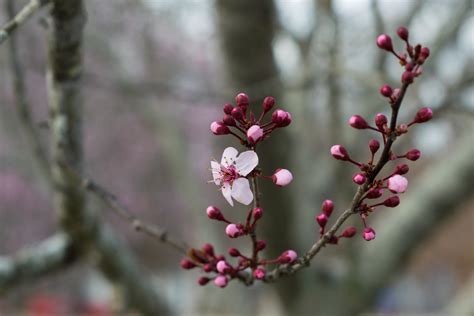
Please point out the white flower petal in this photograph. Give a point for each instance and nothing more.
(246, 162)
(227, 193)
(229, 156)
(241, 191)
(216, 172)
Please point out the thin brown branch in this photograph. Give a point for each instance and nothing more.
(153, 231)
(305, 260)
(21, 17)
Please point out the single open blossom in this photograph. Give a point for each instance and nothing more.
(231, 172)
(397, 184)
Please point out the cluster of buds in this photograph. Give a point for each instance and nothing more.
(242, 123)
(237, 176)
(367, 171)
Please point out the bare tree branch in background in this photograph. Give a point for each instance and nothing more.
(47, 257)
(22, 103)
(83, 225)
(20, 18)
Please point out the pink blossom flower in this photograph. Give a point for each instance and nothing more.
(254, 134)
(369, 233)
(359, 178)
(231, 172)
(221, 281)
(339, 152)
(397, 184)
(259, 273)
(282, 177)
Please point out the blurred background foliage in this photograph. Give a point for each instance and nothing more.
(157, 72)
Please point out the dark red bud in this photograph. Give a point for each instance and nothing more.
(208, 267)
(327, 207)
(423, 115)
(261, 244)
(374, 193)
(408, 77)
(401, 169)
(228, 108)
(386, 91)
(242, 100)
(322, 220)
(187, 264)
(425, 52)
(257, 213)
(268, 103)
(203, 281)
(385, 42)
(380, 120)
(219, 128)
(237, 113)
(233, 252)
(357, 121)
(402, 32)
(392, 201)
(229, 120)
(208, 249)
(413, 155)
(349, 232)
(374, 145)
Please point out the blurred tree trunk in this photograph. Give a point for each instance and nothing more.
(247, 33)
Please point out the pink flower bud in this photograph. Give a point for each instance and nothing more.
(368, 233)
(261, 244)
(374, 145)
(257, 213)
(223, 267)
(401, 169)
(234, 252)
(288, 256)
(227, 108)
(268, 104)
(214, 213)
(322, 220)
(396, 93)
(242, 100)
(408, 77)
(339, 152)
(397, 184)
(357, 121)
(282, 177)
(402, 32)
(327, 207)
(380, 120)
(254, 134)
(228, 120)
(409, 67)
(359, 178)
(392, 201)
(203, 281)
(349, 232)
(425, 52)
(187, 264)
(259, 273)
(385, 42)
(219, 128)
(374, 193)
(423, 115)
(232, 231)
(237, 114)
(386, 91)
(413, 155)
(208, 249)
(281, 118)
(221, 281)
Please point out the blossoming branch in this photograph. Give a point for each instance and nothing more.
(237, 176)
